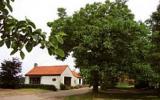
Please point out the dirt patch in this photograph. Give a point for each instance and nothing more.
(36, 94)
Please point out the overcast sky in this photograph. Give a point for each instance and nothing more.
(43, 11)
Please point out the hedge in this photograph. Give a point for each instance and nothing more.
(39, 86)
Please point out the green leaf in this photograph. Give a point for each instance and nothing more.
(62, 34)
(42, 44)
(59, 52)
(1, 43)
(54, 42)
(21, 24)
(49, 24)
(14, 51)
(14, 44)
(5, 11)
(31, 23)
(29, 47)
(8, 43)
(9, 6)
(22, 55)
(59, 39)
(50, 51)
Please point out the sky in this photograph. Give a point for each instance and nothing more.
(43, 11)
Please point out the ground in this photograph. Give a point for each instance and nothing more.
(37, 94)
(119, 94)
(79, 94)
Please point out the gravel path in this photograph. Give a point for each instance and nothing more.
(14, 95)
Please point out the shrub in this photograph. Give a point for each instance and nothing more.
(39, 86)
(77, 87)
(142, 84)
(64, 87)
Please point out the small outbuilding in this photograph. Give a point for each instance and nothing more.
(53, 75)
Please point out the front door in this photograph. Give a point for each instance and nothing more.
(67, 81)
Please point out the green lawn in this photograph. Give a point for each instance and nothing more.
(115, 96)
(124, 85)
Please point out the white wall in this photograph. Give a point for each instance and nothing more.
(67, 73)
(76, 81)
(26, 80)
(49, 81)
(59, 79)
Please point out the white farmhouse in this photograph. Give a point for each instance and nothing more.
(53, 75)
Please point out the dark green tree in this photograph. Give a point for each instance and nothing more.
(103, 38)
(155, 26)
(10, 73)
(86, 74)
(154, 55)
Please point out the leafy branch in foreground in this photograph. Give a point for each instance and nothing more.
(17, 34)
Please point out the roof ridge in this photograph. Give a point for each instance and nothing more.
(47, 70)
(52, 66)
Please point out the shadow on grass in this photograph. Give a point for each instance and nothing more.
(153, 95)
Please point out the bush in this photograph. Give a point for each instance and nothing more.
(64, 87)
(39, 86)
(141, 84)
(77, 87)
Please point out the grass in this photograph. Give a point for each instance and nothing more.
(102, 96)
(32, 90)
(23, 91)
(116, 96)
(124, 85)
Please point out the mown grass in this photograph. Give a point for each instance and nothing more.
(124, 85)
(116, 96)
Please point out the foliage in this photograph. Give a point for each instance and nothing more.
(10, 73)
(17, 34)
(86, 75)
(40, 86)
(64, 87)
(155, 26)
(154, 54)
(76, 87)
(103, 36)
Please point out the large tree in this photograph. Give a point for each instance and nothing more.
(10, 73)
(103, 38)
(154, 56)
(18, 34)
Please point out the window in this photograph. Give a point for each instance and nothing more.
(80, 81)
(34, 80)
(54, 79)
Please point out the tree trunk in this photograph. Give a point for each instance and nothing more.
(95, 80)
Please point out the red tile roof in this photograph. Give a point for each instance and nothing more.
(47, 70)
(76, 74)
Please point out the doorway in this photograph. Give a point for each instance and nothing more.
(67, 81)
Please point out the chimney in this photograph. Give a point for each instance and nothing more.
(35, 64)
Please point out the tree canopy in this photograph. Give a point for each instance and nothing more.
(10, 73)
(103, 37)
(154, 54)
